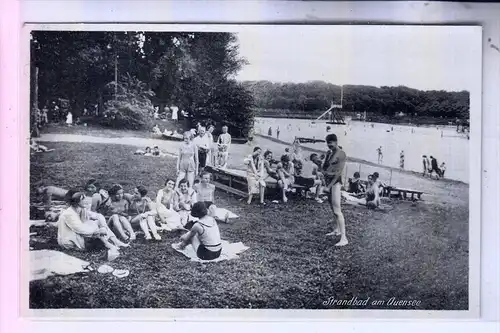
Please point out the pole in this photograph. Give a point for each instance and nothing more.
(116, 75)
(390, 179)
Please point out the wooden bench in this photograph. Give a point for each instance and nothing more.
(402, 193)
(235, 181)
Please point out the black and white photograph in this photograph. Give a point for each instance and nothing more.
(297, 167)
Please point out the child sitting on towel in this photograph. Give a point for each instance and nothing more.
(156, 130)
(204, 235)
(205, 192)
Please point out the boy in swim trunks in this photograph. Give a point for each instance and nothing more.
(332, 168)
(309, 177)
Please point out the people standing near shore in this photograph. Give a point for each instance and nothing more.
(425, 164)
(434, 168)
(278, 133)
(380, 155)
(402, 159)
(69, 119)
(443, 169)
(211, 150)
(270, 131)
(223, 144)
(332, 169)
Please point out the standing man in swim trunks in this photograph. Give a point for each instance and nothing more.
(332, 168)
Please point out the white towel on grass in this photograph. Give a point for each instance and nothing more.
(220, 213)
(229, 251)
(44, 263)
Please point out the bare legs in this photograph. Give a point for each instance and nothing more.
(189, 175)
(334, 200)
(122, 224)
(146, 224)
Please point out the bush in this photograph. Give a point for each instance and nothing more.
(131, 108)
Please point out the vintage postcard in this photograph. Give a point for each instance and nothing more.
(252, 171)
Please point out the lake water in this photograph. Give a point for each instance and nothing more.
(361, 140)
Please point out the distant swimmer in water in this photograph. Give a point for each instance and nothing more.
(380, 155)
(328, 129)
(402, 159)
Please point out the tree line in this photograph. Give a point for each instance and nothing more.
(316, 96)
(126, 74)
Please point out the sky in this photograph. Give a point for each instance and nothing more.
(427, 58)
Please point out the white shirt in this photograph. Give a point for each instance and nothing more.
(308, 168)
(71, 230)
(202, 141)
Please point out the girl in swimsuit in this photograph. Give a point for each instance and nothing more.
(286, 173)
(187, 163)
(185, 197)
(118, 213)
(205, 192)
(204, 236)
(165, 199)
(142, 211)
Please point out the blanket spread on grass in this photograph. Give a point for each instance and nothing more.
(229, 251)
(44, 263)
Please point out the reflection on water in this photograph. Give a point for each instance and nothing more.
(361, 140)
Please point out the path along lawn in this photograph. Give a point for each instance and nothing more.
(414, 252)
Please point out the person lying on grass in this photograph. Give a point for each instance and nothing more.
(118, 213)
(37, 148)
(146, 152)
(205, 192)
(286, 173)
(48, 193)
(165, 201)
(255, 175)
(309, 178)
(73, 230)
(185, 198)
(142, 211)
(204, 235)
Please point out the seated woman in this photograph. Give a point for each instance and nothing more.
(355, 185)
(73, 230)
(255, 175)
(286, 175)
(185, 198)
(142, 211)
(156, 130)
(204, 235)
(309, 178)
(118, 213)
(165, 201)
(372, 193)
(205, 192)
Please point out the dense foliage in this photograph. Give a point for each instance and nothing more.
(385, 101)
(194, 71)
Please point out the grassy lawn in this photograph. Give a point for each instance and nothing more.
(414, 252)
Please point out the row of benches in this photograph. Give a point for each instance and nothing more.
(235, 182)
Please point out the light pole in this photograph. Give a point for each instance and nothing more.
(116, 75)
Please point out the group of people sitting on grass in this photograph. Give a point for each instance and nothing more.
(113, 216)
